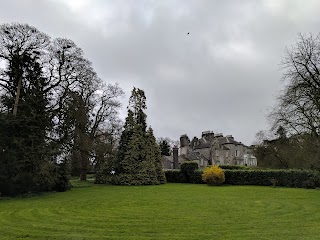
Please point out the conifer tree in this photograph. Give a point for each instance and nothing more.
(124, 141)
(137, 150)
(155, 156)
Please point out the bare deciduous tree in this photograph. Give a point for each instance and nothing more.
(298, 109)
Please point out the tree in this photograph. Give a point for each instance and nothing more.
(138, 154)
(52, 103)
(165, 147)
(84, 107)
(298, 109)
(25, 160)
(296, 117)
(154, 154)
(124, 141)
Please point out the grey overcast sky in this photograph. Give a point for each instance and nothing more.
(223, 76)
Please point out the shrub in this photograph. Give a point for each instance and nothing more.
(282, 178)
(188, 168)
(234, 167)
(213, 175)
(175, 176)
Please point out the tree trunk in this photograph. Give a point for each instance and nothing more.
(16, 102)
(84, 166)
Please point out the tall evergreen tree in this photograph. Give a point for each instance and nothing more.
(124, 141)
(155, 155)
(137, 152)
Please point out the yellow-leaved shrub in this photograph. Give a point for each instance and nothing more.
(213, 175)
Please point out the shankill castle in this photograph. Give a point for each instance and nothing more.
(210, 149)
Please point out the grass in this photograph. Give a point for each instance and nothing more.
(170, 211)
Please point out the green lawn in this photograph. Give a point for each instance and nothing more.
(170, 211)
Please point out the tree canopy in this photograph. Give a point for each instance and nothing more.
(53, 108)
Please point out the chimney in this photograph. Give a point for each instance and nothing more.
(230, 137)
(184, 140)
(175, 158)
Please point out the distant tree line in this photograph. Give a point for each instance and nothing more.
(56, 114)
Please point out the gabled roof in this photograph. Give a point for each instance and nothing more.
(203, 145)
(193, 156)
(226, 140)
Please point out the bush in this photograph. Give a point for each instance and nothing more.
(188, 168)
(213, 175)
(282, 178)
(62, 182)
(175, 176)
(133, 179)
(233, 167)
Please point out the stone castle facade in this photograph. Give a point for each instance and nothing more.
(211, 148)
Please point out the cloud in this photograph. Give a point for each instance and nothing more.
(223, 76)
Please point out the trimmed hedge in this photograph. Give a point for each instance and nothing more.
(188, 168)
(283, 178)
(175, 176)
(234, 167)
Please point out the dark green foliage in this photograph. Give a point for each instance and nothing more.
(25, 159)
(138, 158)
(124, 140)
(154, 155)
(53, 107)
(165, 148)
(137, 169)
(62, 178)
(188, 168)
(175, 176)
(282, 178)
(196, 177)
(233, 167)
(25, 167)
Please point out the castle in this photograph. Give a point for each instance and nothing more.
(211, 148)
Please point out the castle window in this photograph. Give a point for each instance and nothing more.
(237, 153)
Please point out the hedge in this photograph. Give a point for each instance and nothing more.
(234, 167)
(283, 178)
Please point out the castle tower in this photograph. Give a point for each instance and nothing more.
(175, 158)
(184, 144)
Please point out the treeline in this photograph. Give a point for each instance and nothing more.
(56, 114)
